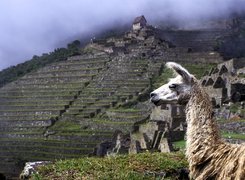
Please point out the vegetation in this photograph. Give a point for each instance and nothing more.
(61, 54)
(163, 78)
(179, 145)
(139, 166)
(66, 126)
(233, 135)
(196, 69)
(234, 108)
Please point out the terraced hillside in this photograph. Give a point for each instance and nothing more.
(35, 102)
(195, 40)
(66, 109)
(124, 80)
(46, 115)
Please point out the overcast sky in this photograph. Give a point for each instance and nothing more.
(33, 27)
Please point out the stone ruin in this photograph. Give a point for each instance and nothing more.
(139, 22)
(141, 41)
(226, 83)
(166, 124)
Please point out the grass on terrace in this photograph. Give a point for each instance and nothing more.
(196, 69)
(139, 166)
(181, 144)
(233, 135)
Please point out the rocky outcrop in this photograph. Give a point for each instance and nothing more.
(31, 168)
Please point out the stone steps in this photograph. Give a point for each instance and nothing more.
(25, 123)
(30, 112)
(24, 89)
(75, 65)
(89, 113)
(37, 93)
(46, 149)
(47, 142)
(56, 80)
(28, 117)
(91, 137)
(106, 124)
(43, 88)
(19, 99)
(49, 86)
(197, 40)
(67, 72)
(85, 58)
(77, 100)
(17, 130)
(99, 92)
(35, 103)
(118, 84)
(20, 134)
(126, 115)
(84, 101)
(132, 118)
(40, 149)
(28, 107)
(42, 155)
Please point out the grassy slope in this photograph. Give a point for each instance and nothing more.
(139, 166)
(196, 69)
(233, 135)
(181, 144)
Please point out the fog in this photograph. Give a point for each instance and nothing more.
(33, 27)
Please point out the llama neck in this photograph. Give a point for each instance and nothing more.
(202, 131)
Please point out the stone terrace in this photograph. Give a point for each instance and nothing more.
(55, 112)
(32, 104)
(123, 81)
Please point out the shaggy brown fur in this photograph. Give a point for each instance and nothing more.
(209, 157)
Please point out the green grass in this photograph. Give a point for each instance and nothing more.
(125, 110)
(241, 75)
(182, 144)
(224, 121)
(233, 135)
(139, 166)
(198, 70)
(163, 78)
(66, 125)
(235, 107)
(179, 144)
(106, 121)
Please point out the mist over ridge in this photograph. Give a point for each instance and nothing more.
(34, 27)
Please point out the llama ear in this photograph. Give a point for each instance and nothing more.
(180, 70)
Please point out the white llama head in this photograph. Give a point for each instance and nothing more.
(177, 90)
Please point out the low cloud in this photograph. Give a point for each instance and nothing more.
(33, 27)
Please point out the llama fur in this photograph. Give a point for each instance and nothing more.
(208, 155)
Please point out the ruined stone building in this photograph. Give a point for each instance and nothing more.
(226, 83)
(141, 41)
(139, 22)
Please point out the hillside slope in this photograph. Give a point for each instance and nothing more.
(65, 109)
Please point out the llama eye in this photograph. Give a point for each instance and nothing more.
(172, 86)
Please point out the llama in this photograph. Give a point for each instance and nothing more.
(208, 155)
